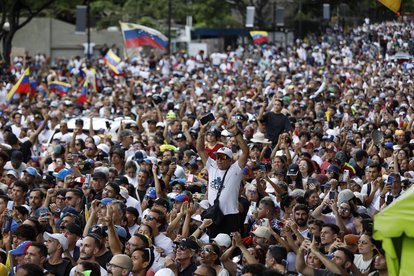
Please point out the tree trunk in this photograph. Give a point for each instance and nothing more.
(7, 47)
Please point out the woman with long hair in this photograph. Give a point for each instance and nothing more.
(210, 255)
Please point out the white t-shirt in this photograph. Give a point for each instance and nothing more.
(229, 198)
(362, 265)
(375, 204)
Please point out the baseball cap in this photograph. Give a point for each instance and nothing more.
(99, 175)
(180, 136)
(151, 193)
(333, 169)
(358, 181)
(114, 186)
(119, 152)
(388, 145)
(225, 151)
(162, 202)
(104, 148)
(171, 115)
(12, 172)
(59, 237)
(62, 173)
(120, 231)
(69, 210)
(73, 228)
(182, 198)
(345, 196)
(21, 248)
(189, 243)
(31, 171)
(125, 133)
(223, 240)
(160, 124)
(262, 232)
(204, 204)
(105, 201)
(121, 180)
(293, 170)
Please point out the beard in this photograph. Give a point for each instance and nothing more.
(301, 222)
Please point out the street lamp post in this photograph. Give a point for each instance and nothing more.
(4, 35)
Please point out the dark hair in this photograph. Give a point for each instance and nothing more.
(42, 248)
(317, 222)
(334, 227)
(23, 185)
(161, 217)
(302, 207)
(254, 269)
(375, 166)
(278, 252)
(26, 232)
(348, 254)
(96, 239)
(32, 269)
(38, 227)
(210, 271)
(147, 255)
(92, 266)
(5, 198)
(269, 203)
(42, 194)
(143, 238)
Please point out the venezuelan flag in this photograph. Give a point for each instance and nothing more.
(60, 86)
(393, 5)
(112, 61)
(259, 36)
(21, 86)
(83, 97)
(137, 35)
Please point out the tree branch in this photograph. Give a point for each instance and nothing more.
(33, 14)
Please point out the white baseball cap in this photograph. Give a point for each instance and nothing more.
(223, 240)
(59, 237)
(225, 151)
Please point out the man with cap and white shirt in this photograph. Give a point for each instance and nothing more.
(223, 241)
(225, 170)
(56, 244)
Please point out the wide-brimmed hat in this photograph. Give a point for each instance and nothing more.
(259, 138)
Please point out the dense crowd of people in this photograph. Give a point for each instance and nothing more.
(303, 147)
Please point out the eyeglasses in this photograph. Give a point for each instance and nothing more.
(344, 209)
(69, 197)
(208, 250)
(177, 188)
(222, 157)
(60, 198)
(110, 266)
(150, 218)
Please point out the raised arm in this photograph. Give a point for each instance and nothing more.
(200, 146)
(33, 137)
(238, 134)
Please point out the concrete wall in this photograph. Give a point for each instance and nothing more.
(57, 39)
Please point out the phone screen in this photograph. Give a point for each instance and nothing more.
(332, 195)
(208, 118)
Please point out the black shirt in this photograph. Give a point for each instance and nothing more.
(62, 269)
(188, 271)
(104, 259)
(276, 124)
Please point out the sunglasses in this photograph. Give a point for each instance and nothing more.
(208, 250)
(182, 248)
(176, 188)
(222, 157)
(150, 218)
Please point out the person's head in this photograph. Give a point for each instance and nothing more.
(55, 243)
(19, 190)
(275, 255)
(366, 244)
(312, 198)
(89, 247)
(111, 190)
(36, 197)
(380, 263)
(253, 270)
(210, 254)
(119, 265)
(29, 270)
(373, 171)
(99, 180)
(313, 261)
(315, 227)
(343, 257)
(137, 240)
(143, 177)
(278, 105)
(142, 259)
(24, 232)
(36, 254)
(301, 214)
(155, 219)
(329, 233)
(145, 230)
(93, 267)
(266, 208)
(205, 270)
(345, 210)
(224, 158)
(73, 198)
(3, 202)
(186, 250)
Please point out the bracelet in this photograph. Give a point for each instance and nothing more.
(199, 228)
(382, 196)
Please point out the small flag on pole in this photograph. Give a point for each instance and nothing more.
(21, 86)
(60, 86)
(83, 97)
(137, 35)
(112, 61)
(259, 36)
